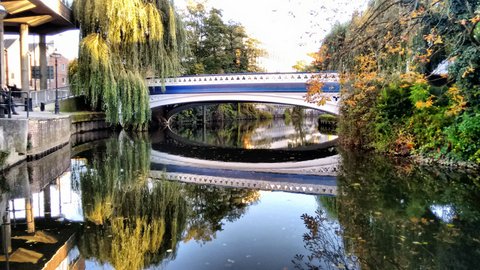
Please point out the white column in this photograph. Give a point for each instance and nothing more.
(24, 64)
(2, 56)
(43, 62)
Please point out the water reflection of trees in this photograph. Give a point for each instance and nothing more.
(235, 134)
(211, 206)
(400, 216)
(324, 245)
(133, 221)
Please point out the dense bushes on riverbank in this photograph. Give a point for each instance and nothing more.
(395, 98)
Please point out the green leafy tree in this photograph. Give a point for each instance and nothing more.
(122, 42)
(217, 47)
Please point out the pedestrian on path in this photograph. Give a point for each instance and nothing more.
(7, 99)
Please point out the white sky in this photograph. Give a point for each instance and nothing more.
(287, 29)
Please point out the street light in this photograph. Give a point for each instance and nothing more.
(3, 14)
(55, 56)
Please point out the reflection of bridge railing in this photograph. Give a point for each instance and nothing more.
(327, 166)
(310, 188)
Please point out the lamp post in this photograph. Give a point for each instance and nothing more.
(55, 56)
(3, 13)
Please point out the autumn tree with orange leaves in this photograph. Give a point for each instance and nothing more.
(397, 95)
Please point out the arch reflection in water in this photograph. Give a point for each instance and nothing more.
(262, 134)
(307, 169)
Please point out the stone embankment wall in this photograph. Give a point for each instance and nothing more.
(22, 139)
(13, 141)
(88, 122)
(47, 135)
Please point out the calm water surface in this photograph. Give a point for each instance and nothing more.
(382, 215)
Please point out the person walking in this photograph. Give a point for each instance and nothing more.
(8, 100)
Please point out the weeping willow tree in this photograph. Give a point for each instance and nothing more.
(124, 41)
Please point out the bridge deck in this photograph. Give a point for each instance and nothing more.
(243, 83)
(278, 88)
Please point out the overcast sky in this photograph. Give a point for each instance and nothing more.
(287, 29)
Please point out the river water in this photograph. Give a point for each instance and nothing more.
(245, 195)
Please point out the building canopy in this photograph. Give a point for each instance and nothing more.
(46, 17)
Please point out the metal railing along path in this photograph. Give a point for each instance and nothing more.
(30, 99)
(48, 96)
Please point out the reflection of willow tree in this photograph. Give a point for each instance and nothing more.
(387, 216)
(134, 222)
(213, 205)
(297, 116)
(137, 221)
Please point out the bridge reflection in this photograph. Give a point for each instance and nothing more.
(307, 171)
(268, 134)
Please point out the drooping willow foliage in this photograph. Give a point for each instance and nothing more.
(124, 41)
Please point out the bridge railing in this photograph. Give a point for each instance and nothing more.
(245, 78)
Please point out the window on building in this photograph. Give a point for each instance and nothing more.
(63, 67)
(12, 76)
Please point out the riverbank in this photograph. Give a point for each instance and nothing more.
(447, 163)
(42, 133)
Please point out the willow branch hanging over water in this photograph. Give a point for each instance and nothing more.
(124, 41)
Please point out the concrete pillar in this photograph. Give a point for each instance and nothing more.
(24, 64)
(2, 57)
(29, 214)
(6, 234)
(47, 202)
(43, 62)
(59, 197)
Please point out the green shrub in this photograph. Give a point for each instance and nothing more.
(464, 137)
(328, 117)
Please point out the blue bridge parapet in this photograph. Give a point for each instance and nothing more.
(243, 83)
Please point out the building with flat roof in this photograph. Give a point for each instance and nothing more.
(23, 64)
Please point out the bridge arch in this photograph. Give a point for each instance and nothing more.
(276, 88)
(296, 99)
